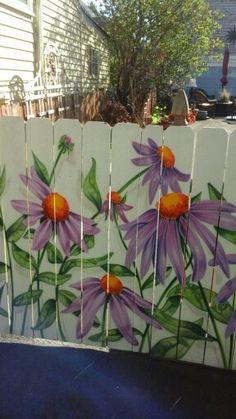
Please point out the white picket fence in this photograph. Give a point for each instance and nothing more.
(122, 291)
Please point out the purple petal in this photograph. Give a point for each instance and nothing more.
(147, 255)
(105, 206)
(73, 234)
(42, 235)
(174, 251)
(130, 304)
(142, 149)
(122, 215)
(213, 205)
(39, 189)
(120, 316)
(173, 183)
(131, 253)
(152, 144)
(231, 327)
(226, 221)
(227, 290)
(210, 240)
(74, 306)
(25, 207)
(32, 219)
(86, 283)
(164, 181)
(135, 298)
(231, 259)
(145, 161)
(63, 237)
(199, 258)
(153, 186)
(182, 177)
(89, 313)
(42, 185)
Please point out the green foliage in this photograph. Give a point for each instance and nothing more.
(90, 187)
(158, 113)
(155, 41)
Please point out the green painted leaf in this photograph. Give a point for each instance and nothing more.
(87, 263)
(114, 335)
(27, 298)
(47, 315)
(167, 348)
(1, 223)
(66, 297)
(118, 270)
(90, 187)
(3, 312)
(41, 170)
(51, 278)
(171, 305)
(192, 293)
(196, 198)
(16, 230)
(3, 267)
(2, 180)
(53, 254)
(29, 233)
(148, 283)
(213, 192)
(227, 235)
(186, 329)
(23, 258)
(76, 250)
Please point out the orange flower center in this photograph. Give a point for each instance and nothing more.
(173, 205)
(55, 207)
(167, 156)
(115, 197)
(111, 284)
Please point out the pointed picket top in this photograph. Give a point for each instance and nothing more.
(180, 108)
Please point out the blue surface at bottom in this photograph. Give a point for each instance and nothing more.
(51, 382)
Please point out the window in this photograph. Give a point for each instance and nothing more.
(25, 6)
(93, 62)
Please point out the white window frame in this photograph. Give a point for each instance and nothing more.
(92, 63)
(18, 5)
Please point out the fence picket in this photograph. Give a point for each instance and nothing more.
(85, 261)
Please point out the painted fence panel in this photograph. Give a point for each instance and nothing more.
(119, 237)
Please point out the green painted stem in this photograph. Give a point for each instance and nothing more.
(11, 284)
(103, 326)
(158, 304)
(63, 338)
(55, 165)
(218, 337)
(11, 274)
(126, 185)
(40, 258)
(232, 343)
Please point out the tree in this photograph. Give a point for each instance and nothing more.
(156, 41)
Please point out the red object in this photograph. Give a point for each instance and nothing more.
(225, 66)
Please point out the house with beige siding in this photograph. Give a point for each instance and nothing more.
(50, 48)
(210, 81)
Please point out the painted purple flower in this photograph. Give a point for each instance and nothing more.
(53, 214)
(117, 205)
(95, 294)
(152, 155)
(177, 221)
